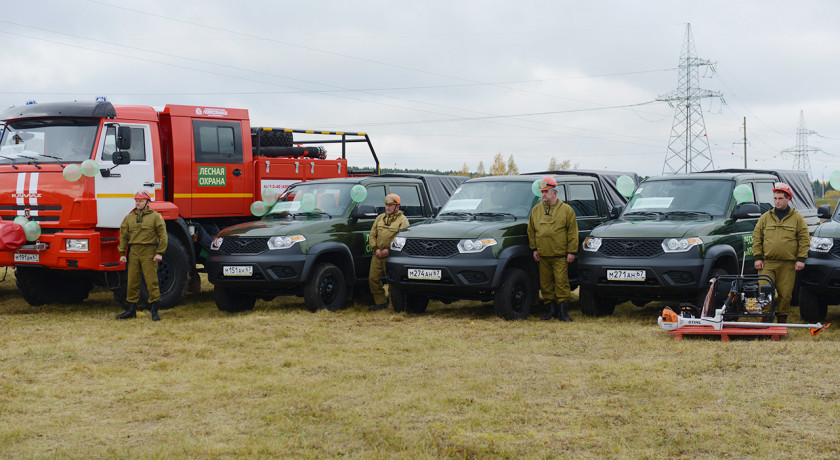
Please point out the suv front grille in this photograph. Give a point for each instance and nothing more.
(625, 247)
(835, 249)
(244, 245)
(430, 248)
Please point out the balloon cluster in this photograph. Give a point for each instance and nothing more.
(259, 208)
(31, 229)
(75, 171)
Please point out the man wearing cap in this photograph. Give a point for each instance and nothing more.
(143, 238)
(553, 237)
(384, 229)
(780, 246)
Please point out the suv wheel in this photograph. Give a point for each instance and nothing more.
(403, 301)
(233, 300)
(811, 307)
(513, 299)
(326, 288)
(592, 305)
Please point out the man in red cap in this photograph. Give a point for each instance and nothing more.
(553, 236)
(780, 246)
(143, 242)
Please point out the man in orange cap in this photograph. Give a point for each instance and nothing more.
(553, 236)
(384, 229)
(143, 242)
(780, 246)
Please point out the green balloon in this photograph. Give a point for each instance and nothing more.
(358, 193)
(89, 168)
(72, 172)
(535, 187)
(259, 208)
(269, 195)
(625, 185)
(308, 202)
(31, 230)
(20, 220)
(834, 180)
(743, 193)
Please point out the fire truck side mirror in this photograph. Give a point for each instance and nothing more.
(121, 157)
(123, 138)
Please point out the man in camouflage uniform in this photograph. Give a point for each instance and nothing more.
(780, 245)
(143, 237)
(384, 229)
(553, 236)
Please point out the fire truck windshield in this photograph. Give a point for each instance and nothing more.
(48, 140)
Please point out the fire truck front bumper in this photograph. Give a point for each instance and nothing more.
(68, 250)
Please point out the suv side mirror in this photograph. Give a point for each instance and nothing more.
(746, 211)
(824, 211)
(615, 211)
(365, 210)
(123, 138)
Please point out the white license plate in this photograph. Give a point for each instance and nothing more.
(238, 270)
(26, 258)
(626, 275)
(423, 274)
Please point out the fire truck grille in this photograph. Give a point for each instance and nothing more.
(621, 247)
(430, 248)
(244, 245)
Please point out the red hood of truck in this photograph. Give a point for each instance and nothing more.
(45, 196)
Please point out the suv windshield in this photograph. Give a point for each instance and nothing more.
(48, 140)
(681, 196)
(510, 198)
(332, 199)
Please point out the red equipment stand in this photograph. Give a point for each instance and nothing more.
(775, 332)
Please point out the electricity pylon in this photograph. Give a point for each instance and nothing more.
(688, 146)
(800, 152)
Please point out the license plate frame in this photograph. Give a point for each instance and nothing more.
(626, 275)
(27, 258)
(427, 274)
(237, 270)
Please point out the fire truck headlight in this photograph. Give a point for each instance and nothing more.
(78, 245)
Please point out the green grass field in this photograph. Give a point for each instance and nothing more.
(456, 382)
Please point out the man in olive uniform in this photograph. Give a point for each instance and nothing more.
(384, 229)
(143, 236)
(780, 246)
(553, 236)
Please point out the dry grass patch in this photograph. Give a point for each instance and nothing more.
(455, 382)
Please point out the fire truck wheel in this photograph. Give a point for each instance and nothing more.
(73, 287)
(233, 300)
(275, 139)
(172, 273)
(514, 297)
(326, 288)
(408, 303)
(36, 285)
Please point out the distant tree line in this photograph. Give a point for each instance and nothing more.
(500, 167)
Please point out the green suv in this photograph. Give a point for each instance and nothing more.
(314, 241)
(678, 232)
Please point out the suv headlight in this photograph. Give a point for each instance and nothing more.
(78, 245)
(819, 244)
(398, 243)
(591, 244)
(680, 244)
(216, 244)
(284, 242)
(473, 246)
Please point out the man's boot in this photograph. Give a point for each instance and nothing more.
(153, 307)
(130, 312)
(781, 318)
(563, 315)
(552, 312)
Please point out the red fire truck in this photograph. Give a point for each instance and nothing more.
(205, 166)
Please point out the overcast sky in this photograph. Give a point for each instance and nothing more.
(438, 84)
